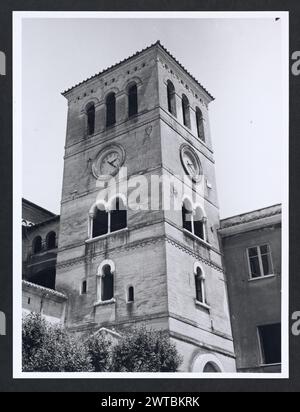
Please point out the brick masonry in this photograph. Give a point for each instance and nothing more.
(153, 254)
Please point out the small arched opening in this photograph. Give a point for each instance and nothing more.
(51, 240)
(171, 95)
(37, 244)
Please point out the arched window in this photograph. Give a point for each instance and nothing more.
(199, 223)
(118, 215)
(200, 285)
(110, 109)
(83, 288)
(171, 98)
(187, 215)
(105, 286)
(105, 221)
(132, 100)
(51, 240)
(186, 111)
(200, 125)
(37, 244)
(100, 221)
(90, 112)
(194, 220)
(130, 297)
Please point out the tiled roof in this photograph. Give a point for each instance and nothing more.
(134, 55)
(251, 216)
(34, 205)
(44, 222)
(43, 289)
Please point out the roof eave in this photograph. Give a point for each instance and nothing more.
(114, 66)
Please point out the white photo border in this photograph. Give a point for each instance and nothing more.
(17, 195)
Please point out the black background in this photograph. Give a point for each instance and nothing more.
(6, 190)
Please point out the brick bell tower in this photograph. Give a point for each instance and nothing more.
(120, 265)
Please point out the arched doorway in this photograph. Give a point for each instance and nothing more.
(210, 367)
(207, 363)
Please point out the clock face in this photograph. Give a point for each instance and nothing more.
(191, 163)
(108, 162)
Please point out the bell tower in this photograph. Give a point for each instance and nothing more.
(129, 253)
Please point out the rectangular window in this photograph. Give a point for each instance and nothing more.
(83, 287)
(260, 262)
(270, 343)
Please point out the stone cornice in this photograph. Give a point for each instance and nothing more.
(191, 252)
(113, 132)
(195, 342)
(198, 326)
(136, 245)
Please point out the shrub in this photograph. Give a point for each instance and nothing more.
(49, 348)
(99, 350)
(142, 350)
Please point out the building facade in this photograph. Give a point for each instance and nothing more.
(121, 263)
(252, 258)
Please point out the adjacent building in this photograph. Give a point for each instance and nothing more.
(252, 258)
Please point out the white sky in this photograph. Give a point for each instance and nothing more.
(237, 60)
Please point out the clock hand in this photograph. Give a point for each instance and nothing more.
(111, 163)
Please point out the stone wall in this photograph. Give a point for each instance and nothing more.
(47, 302)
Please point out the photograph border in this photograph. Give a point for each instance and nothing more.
(17, 196)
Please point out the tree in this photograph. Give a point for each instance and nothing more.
(49, 348)
(99, 350)
(142, 350)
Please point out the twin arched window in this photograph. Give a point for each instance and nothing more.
(110, 109)
(107, 221)
(171, 96)
(37, 243)
(193, 219)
